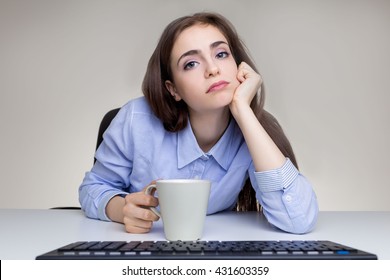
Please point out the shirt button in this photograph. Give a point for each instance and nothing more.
(288, 198)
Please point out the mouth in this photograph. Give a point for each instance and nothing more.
(217, 86)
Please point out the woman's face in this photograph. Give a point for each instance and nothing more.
(203, 68)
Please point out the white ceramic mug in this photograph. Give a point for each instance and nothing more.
(183, 205)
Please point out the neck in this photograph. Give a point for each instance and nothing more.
(209, 128)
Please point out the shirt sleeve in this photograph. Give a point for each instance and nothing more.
(94, 195)
(110, 174)
(287, 198)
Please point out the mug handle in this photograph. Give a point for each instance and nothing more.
(149, 191)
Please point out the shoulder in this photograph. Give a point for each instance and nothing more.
(136, 108)
(137, 114)
(137, 105)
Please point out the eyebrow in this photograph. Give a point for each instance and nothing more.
(192, 52)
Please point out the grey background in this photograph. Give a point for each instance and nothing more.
(64, 64)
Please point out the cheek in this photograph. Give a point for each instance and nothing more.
(235, 83)
(184, 85)
(233, 70)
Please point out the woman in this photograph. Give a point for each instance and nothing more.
(201, 116)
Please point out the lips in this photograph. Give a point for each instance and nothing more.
(217, 86)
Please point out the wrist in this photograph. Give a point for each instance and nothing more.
(114, 208)
(239, 109)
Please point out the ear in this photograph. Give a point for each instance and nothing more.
(172, 89)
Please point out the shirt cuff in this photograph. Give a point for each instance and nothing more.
(277, 179)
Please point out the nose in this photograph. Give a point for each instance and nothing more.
(212, 69)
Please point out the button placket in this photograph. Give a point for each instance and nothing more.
(199, 167)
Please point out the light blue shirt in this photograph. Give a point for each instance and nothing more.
(136, 150)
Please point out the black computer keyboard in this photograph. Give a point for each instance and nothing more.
(207, 250)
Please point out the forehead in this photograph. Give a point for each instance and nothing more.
(196, 37)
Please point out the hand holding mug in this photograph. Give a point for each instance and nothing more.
(138, 218)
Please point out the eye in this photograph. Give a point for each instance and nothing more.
(222, 54)
(190, 65)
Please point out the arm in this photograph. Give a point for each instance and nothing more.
(287, 198)
(265, 154)
(103, 193)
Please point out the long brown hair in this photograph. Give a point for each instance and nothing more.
(174, 115)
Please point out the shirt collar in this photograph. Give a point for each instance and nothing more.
(188, 149)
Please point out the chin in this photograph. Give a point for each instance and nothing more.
(226, 98)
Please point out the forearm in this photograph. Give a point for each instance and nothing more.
(287, 198)
(264, 152)
(94, 196)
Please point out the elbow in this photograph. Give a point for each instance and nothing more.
(304, 227)
(304, 220)
(298, 228)
(85, 200)
(301, 224)
(83, 195)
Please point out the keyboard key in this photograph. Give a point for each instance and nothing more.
(71, 246)
(114, 245)
(85, 246)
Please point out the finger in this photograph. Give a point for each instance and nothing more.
(141, 199)
(136, 230)
(243, 71)
(242, 75)
(244, 65)
(137, 226)
(139, 212)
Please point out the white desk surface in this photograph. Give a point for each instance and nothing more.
(27, 233)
